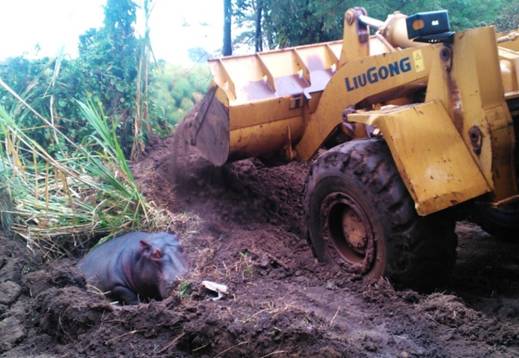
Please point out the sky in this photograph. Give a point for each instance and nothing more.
(46, 27)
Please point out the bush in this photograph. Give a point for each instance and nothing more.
(63, 200)
(173, 91)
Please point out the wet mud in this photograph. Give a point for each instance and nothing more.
(242, 225)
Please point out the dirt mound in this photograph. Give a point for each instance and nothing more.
(58, 307)
(241, 225)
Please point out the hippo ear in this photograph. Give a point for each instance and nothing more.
(145, 245)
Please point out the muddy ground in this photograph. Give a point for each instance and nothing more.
(242, 226)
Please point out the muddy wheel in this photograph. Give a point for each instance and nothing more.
(502, 223)
(360, 216)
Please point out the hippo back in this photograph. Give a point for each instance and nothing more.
(102, 266)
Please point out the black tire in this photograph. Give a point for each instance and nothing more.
(360, 215)
(502, 223)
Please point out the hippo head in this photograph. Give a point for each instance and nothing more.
(159, 266)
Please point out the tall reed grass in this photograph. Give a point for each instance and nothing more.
(80, 193)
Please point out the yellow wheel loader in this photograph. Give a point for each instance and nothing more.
(406, 122)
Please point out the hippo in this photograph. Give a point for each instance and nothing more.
(135, 266)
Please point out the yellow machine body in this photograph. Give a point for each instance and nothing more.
(443, 109)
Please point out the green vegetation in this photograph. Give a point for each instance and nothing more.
(184, 289)
(82, 191)
(109, 69)
(508, 18)
(68, 126)
(173, 92)
(296, 22)
(106, 70)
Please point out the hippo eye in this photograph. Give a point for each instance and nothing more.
(157, 254)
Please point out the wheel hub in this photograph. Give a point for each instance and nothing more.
(350, 232)
(354, 231)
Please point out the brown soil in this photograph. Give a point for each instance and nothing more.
(241, 225)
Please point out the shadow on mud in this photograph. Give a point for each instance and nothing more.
(486, 275)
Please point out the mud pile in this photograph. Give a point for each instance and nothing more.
(241, 225)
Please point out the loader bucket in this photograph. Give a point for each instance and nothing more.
(259, 104)
(255, 104)
(210, 129)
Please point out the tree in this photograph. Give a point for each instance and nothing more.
(108, 58)
(109, 55)
(296, 22)
(106, 69)
(509, 17)
(112, 68)
(254, 19)
(286, 23)
(227, 14)
(258, 37)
